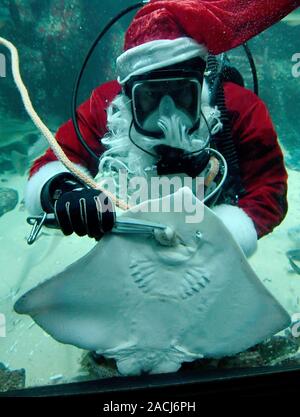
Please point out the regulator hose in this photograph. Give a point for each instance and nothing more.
(223, 140)
(82, 69)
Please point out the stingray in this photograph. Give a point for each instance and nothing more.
(152, 304)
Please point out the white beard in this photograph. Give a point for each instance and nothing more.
(122, 154)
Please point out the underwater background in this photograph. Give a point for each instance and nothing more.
(52, 37)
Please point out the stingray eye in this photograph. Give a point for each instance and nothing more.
(199, 235)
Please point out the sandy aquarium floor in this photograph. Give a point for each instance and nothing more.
(22, 267)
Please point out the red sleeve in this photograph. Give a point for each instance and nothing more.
(92, 124)
(263, 173)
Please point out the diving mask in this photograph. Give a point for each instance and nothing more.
(163, 95)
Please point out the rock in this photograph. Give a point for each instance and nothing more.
(277, 348)
(248, 359)
(104, 368)
(8, 199)
(291, 361)
(11, 380)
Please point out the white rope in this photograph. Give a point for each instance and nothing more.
(47, 133)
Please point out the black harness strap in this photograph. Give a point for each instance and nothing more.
(223, 140)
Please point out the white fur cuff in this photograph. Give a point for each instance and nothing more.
(240, 225)
(157, 54)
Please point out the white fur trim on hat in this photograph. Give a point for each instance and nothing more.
(157, 54)
(37, 181)
(240, 226)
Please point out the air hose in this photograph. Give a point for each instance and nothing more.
(82, 69)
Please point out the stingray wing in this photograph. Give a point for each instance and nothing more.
(209, 303)
(83, 305)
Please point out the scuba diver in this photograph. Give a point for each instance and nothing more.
(170, 108)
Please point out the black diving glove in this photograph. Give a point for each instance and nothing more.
(77, 208)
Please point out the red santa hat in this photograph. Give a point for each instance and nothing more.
(166, 32)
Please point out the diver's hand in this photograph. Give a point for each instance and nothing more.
(77, 209)
(85, 211)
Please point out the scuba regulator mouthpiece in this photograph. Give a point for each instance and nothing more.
(177, 161)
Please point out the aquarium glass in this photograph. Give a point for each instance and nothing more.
(52, 38)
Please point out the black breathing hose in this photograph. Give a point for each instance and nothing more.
(223, 140)
(253, 68)
(79, 76)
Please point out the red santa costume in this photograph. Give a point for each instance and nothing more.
(164, 33)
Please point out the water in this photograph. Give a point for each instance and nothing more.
(51, 52)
